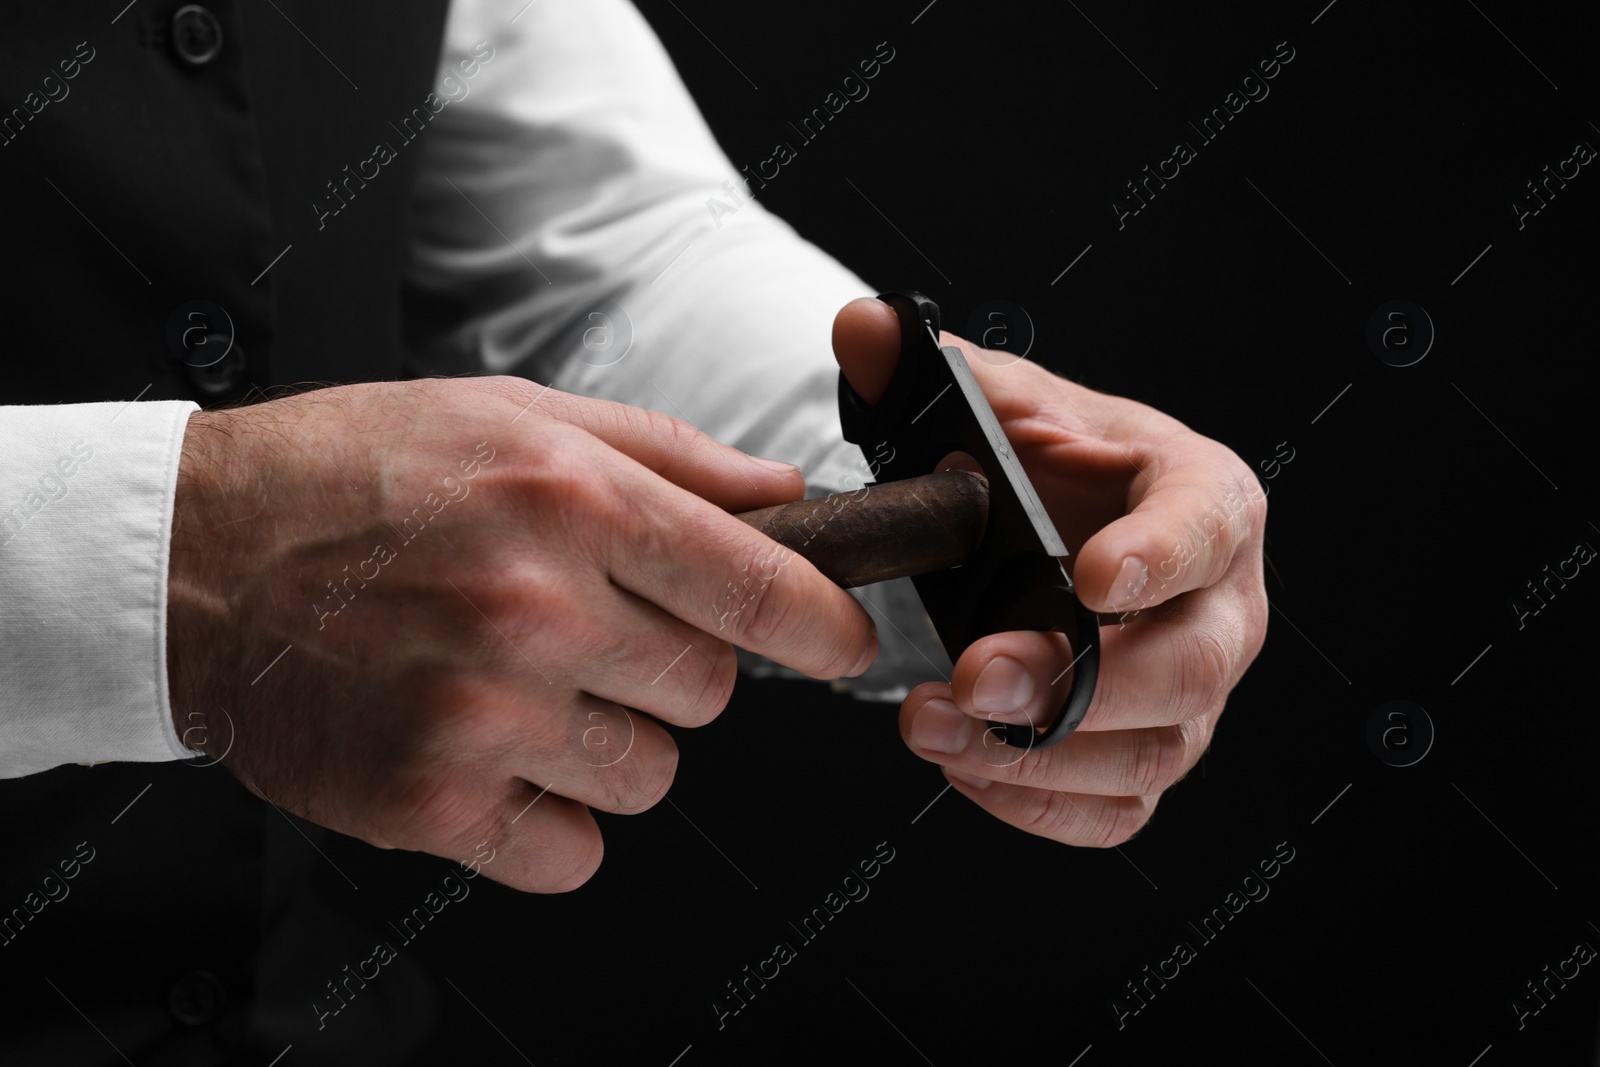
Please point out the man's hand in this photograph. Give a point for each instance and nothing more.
(427, 608)
(1170, 526)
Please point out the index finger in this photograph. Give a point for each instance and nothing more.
(1192, 504)
(665, 537)
(1185, 527)
(671, 447)
(717, 573)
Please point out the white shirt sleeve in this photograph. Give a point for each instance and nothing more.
(85, 521)
(577, 223)
(579, 220)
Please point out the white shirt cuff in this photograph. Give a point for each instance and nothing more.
(86, 502)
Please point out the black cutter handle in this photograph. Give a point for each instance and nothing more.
(1016, 579)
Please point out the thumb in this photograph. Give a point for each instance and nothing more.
(866, 342)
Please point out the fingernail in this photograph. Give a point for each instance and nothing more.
(1004, 685)
(940, 727)
(1128, 586)
(774, 464)
(967, 780)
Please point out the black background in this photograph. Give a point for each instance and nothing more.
(1414, 510)
(1417, 905)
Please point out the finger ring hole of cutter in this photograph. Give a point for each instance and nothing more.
(1030, 592)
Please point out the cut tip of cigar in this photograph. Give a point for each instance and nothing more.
(866, 342)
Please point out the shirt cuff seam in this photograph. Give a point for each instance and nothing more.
(163, 701)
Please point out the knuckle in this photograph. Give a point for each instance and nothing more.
(1219, 527)
(709, 686)
(1226, 543)
(1204, 672)
(762, 619)
(1105, 823)
(1195, 739)
(1258, 502)
(543, 610)
(493, 825)
(1245, 503)
(1256, 615)
(1248, 486)
(606, 736)
(671, 435)
(1034, 768)
(565, 867)
(588, 505)
(646, 781)
(1156, 760)
(508, 387)
(1057, 816)
(438, 814)
(1047, 814)
(780, 613)
(473, 605)
(1117, 822)
(560, 475)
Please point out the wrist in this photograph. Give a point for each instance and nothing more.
(195, 606)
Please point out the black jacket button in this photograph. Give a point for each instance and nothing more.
(196, 35)
(224, 374)
(196, 999)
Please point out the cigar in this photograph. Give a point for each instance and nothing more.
(879, 532)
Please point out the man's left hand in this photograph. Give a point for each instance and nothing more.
(1165, 527)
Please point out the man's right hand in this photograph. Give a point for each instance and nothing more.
(427, 607)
